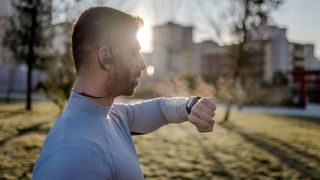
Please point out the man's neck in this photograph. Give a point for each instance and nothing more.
(93, 92)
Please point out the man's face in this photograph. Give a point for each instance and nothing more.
(128, 65)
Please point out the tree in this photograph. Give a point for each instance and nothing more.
(247, 14)
(28, 36)
(235, 21)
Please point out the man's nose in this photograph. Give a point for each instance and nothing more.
(142, 65)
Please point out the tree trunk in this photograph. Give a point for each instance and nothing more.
(29, 86)
(227, 113)
(30, 58)
(240, 59)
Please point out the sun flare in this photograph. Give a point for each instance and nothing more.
(150, 70)
(144, 37)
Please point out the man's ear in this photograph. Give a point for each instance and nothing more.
(105, 57)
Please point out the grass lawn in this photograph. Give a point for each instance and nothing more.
(250, 146)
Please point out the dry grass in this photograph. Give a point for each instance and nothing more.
(250, 146)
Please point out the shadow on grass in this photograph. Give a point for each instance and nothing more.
(34, 128)
(218, 168)
(295, 150)
(9, 114)
(312, 120)
(279, 149)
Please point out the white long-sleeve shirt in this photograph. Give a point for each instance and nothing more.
(92, 141)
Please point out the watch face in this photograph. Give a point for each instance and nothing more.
(189, 103)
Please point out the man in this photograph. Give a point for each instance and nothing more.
(92, 138)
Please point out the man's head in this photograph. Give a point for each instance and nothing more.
(106, 50)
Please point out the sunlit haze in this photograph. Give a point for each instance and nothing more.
(144, 36)
(150, 70)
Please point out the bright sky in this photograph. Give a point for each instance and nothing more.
(300, 17)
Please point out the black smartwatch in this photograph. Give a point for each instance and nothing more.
(191, 102)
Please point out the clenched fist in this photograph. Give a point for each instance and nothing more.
(202, 113)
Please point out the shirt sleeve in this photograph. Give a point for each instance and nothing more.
(147, 116)
(71, 163)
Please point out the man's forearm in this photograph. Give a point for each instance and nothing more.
(147, 116)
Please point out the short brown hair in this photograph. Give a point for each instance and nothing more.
(98, 24)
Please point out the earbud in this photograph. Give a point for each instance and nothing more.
(108, 60)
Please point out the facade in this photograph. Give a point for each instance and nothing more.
(271, 54)
(275, 47)
(254, 66)
(280, 56)
(302, 57)
(213, 59)
(173, 52)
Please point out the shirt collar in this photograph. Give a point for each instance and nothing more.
(77, 101)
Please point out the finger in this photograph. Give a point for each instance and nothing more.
(198, 122)
(206, 110)
(201, 114)
(205, 129)
(209, 129)
(209, 103)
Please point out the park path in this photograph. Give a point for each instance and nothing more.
(312, 110)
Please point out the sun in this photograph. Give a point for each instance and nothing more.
(144, 37)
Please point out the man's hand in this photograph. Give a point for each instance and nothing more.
(202, 113)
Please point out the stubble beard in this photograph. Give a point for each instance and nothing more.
(125, 85)
(126, 81)
(128, 86)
